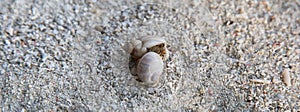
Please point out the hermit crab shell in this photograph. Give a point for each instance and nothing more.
(140, 47)
(150, 67)
(151, 42)
(157, 45)
(137, 49)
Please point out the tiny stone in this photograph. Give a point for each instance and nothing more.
(286, 77)
(9, 30)
(280, 96)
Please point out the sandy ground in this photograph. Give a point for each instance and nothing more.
(65, 55)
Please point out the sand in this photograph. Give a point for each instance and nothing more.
(64, 55)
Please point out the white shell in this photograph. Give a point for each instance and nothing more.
(150, 42)
(150, 67)
(286, 77)
(140, 47)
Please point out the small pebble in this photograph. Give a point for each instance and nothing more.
(286, 77)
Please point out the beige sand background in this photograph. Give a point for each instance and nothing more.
(70, 55)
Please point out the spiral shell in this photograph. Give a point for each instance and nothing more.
(149, 44)
(152, 41)
(149, 68)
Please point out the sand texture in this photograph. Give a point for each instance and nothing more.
(72, 55)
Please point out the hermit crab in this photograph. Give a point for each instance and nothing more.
(146, 59)
(154, 44)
